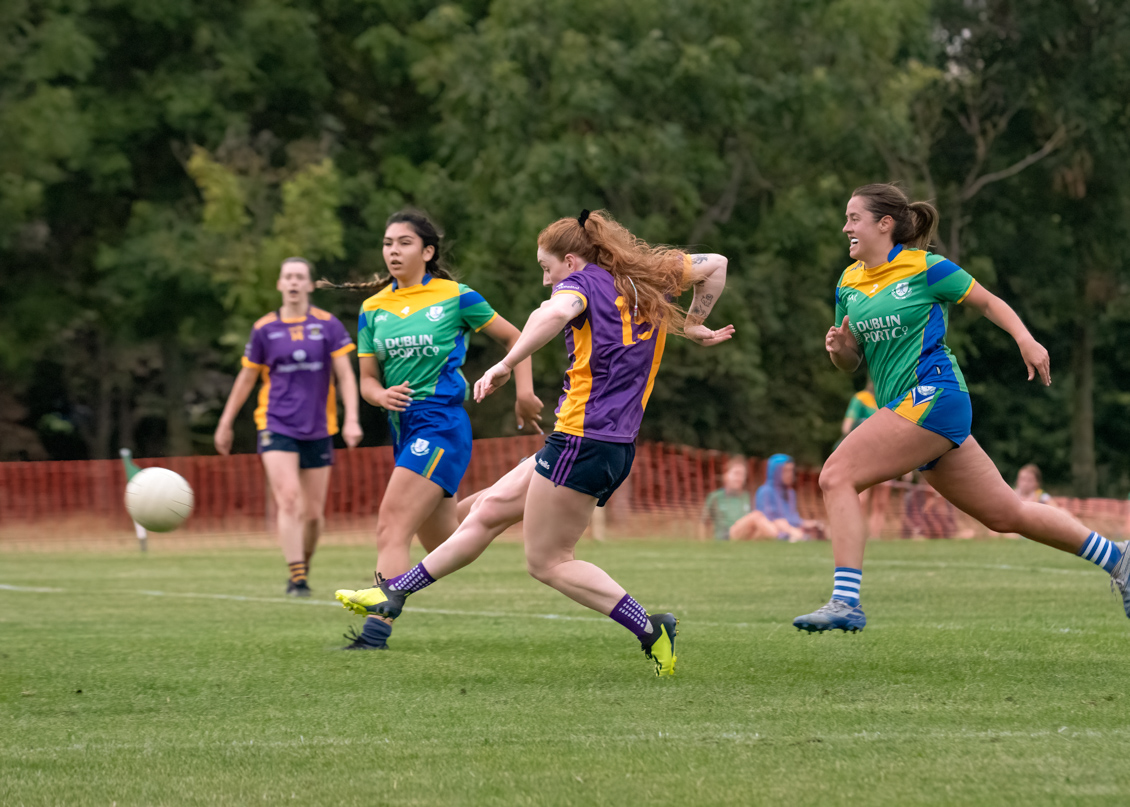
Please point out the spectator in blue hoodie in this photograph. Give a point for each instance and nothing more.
(776, 500)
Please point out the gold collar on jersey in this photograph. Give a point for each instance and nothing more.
(406, 302)
(906, 264)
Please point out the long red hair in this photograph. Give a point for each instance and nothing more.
(657, 272)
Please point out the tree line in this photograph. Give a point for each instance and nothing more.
(157, 160)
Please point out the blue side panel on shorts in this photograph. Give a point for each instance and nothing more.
(434, 442)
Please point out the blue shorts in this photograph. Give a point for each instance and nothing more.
(585, 465)
(311, 453)
(947, 412)
(434, 442)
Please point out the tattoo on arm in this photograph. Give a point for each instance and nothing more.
(699, 258)
(701, 306)
(577, 302)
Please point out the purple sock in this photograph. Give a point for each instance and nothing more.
(412, 580)
(631, 615)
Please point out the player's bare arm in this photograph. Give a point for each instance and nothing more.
(241, 389)
(347, 385)
(394, 399)
(544, 324)
(842, 347)
(527, 406)
(707, 276)
(1000, 313)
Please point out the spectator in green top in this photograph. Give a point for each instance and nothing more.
(728, 512)
(861, 407)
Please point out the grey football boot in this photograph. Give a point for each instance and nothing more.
(1120, 577)
(836, 615)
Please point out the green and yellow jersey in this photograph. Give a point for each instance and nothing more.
(419, 336)
(899, 312)
(862, 406)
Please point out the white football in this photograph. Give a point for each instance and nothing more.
(159, 499)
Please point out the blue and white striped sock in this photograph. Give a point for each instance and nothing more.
(1100, 552)
(846, 585)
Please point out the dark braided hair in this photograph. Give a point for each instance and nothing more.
(426, 230)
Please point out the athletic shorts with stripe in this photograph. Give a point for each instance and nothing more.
(434, 442)
(943, 411)
(589, 466)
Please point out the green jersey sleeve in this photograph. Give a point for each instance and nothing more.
(855, 410)
(364, 336)
(474, 311)
(947, 282)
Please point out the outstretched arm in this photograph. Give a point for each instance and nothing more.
(527, 407)
(1000, 313)
(544, 324)
(708, 279)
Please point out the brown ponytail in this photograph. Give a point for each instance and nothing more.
(657, 272)
(423, 227)
(916, 223)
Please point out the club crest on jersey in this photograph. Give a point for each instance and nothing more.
(420, 447)
(314, 331)
(922, 394)
(901, 291)
(435, 313)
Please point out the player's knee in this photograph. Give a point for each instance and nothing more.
(833, 476)
(389, 535)
(539, 569)
(289, 502)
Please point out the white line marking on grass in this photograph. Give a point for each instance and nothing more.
(772, 625)
(35, 590)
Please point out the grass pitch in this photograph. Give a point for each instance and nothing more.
(990, 673)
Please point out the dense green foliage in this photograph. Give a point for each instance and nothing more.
(157, 159)
(990, 673)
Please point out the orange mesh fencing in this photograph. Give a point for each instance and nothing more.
(81, 504)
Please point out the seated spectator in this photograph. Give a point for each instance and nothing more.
(727, 506)
(1030, 485)
(776, 502)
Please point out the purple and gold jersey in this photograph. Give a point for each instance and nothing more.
(294, 358)
(613, 360)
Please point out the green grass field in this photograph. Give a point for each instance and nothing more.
(991, 673)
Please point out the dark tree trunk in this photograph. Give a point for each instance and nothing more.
(1084, 477)
(125, 415)
(178, 439)
(104, 413)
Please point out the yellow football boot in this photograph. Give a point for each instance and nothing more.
(379, 600)
(659, 645)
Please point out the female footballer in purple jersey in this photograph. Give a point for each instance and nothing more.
(610, 289)
(891, 310)
(296, 352)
